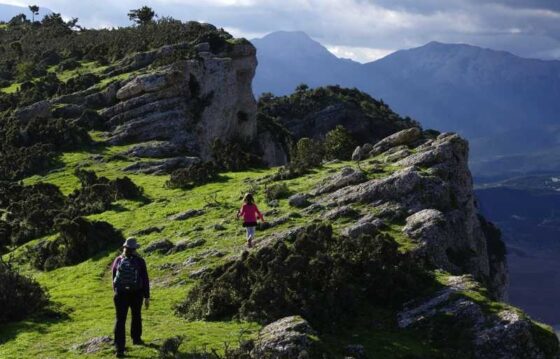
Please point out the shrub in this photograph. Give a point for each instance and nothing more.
(308, 153)
(339, 144)
(68, 64)
(30, 210)
(78, 240)
(91, 120)
(276, 191)
(234, 155)
(324, 278)
(98, 193)
(20, 296)
(193, 175)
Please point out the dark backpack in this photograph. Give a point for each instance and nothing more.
(127, 277)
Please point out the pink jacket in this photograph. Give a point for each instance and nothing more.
(250, 213)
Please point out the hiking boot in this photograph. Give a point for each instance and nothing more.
(250, 243)
(138, 342)
(120, 354)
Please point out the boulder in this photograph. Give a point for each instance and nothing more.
(161, 167)
(339, 212)
(94, 345)
(186, 215)
(148, 230)
(362, 152)
(299, 200)
(38, 110)
(346, 177)
(367, 225)
(154, 149)
(142, 84)
(159, 246)
(404, 137)
(408, 187)
(287, 338)
(188, 244)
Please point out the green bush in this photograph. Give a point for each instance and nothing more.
(20, 296)
(339, 144)
(234, 155)
(78, 240)
(308, 153)
(276, 191)
(324, 278)
(193, 175)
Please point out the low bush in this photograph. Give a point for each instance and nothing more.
(20, 296)
(276, 191)
(308, 153)
(323, 278)
(78, 240)
(234, 155)
(193, 175)
(339, 144)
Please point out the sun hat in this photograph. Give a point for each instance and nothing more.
(131, 243)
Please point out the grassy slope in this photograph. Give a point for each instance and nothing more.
(84, 290)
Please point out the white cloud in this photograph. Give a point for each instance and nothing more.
(360, 54)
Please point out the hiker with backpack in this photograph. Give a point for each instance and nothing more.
(131, 287)
(250, 214)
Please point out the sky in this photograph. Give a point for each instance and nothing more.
(363, 30)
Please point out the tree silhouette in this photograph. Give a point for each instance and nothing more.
(142, 16)
(34, 11)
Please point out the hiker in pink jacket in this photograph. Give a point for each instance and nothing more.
(250, 214)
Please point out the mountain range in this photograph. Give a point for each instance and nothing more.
(505, 105)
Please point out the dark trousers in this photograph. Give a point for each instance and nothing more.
(123, 301)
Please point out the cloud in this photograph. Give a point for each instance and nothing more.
(359, 54)
(361, 29)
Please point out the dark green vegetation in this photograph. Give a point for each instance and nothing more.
(34, 211)
(20, 296)
(78, 240)
(314, 112)
(324, 278)
(30, 148)
(194, 175)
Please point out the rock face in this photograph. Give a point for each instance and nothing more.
(188, 104)
(492, 333)
(439, 203)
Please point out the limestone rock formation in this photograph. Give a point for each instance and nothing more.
(435, 188)
(493, 333)
(287, 338)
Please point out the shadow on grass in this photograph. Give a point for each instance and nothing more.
(39, 322)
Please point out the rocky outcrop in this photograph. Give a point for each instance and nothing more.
(434, 191)
(179, 108)
(490, 332)
(404, 137)
(163, 166)
(346, 177)
(190, 103)
(287, 338)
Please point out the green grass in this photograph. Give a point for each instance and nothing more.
(85, 68)
(14, 87)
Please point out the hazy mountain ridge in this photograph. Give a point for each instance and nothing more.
(491, 97)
